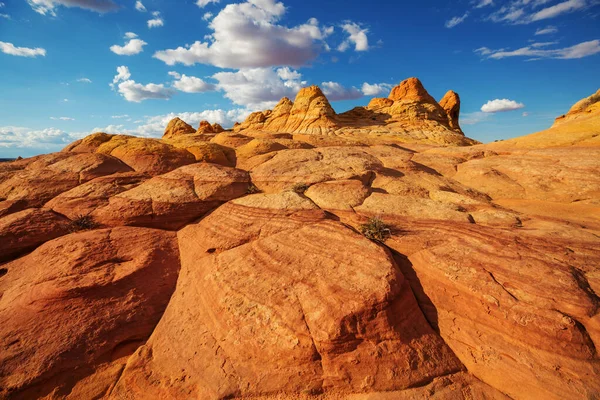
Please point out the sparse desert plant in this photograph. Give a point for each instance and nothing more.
(300, 188)
(375, 229)
(252, 189)
(82, 223)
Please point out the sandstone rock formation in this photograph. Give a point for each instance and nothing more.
(579, 127)
(408, 114)
(484, 285)
(177, 127)
(78, 302)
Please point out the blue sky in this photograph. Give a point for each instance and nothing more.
(71, 67)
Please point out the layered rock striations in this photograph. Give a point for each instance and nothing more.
(225, 265)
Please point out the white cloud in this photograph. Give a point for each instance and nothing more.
(62, 119)
(335, 91)
(474, 118)
(6, 16)
(547, 30)
(247, 35)
(140, 6)
(157, 21)
(1, 4)
(154, 126)
(120, 116)
(32, 141)
(84, 80)
(484, 3)
(137, 92)
(527, 11)
(456, 20)
(375, 89)
(49, 6)
(535, 51)
(11, 49)
(561, 8)
(357, 36)
(259, 88)
(204, 3)
(207, 16)
(65, 100)
(191, 84)
(123, 74)
(132, 47)
(501, 105)
(525, 114)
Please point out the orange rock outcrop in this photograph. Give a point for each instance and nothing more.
(409, 114)
(232, 264)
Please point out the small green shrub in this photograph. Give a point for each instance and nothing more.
(300, 188)
(376, 229)
(252, 189)
(82, 223)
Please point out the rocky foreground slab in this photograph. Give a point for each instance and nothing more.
(306, 255)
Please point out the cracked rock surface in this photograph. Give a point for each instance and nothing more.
(217, 265)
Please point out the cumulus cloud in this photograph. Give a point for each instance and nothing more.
(137, 92)
(132, 47)
(356, 36)
(335, 91)
(204, 3)
(191, 84)
(501, 105)
(21, 141)
(207, 16)
(84, 80)
(375, 89)
(154, 126)
(259, 88)
(456, 20)
(140, 6)
(11, 49)
(49, 6)
(547, 30)
(247, 35)
(157, 21)
(537, 51)
(62, 119)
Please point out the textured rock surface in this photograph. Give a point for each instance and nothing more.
(486, 285)
(149, 156)
(283, 328)
(48, 176)
(174, 199)
(23, 231)
(79, 301)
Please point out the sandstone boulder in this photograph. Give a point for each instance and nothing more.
(149, 156)
(77, 302)
(85, 198)
(25, 230)
(48, 176)
(174, 199)
(286, 327)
